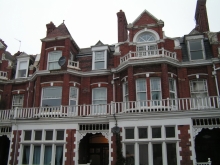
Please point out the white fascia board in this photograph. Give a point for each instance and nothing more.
(194, 37)
(99, 48)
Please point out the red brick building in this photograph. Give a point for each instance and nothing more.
(66, 105)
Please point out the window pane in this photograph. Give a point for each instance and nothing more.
(59, 155)
(129, 133)
(54, 56)
(157, 154)
(141, 96)
(195, 45)
(170, 132)
(49, 135)
(47, 155)
(36, 156)
(156, 132)
(72, 102)
(38, 135)
(53, 65)
(100, 65)
(60, 135)
(51, 102)
(23, 65)
(143, 154)
(155, 96)
(196, 55)
(27, 135)
(171, 154)
(129, 154)
(144, 37)
(99, 56)
(141, 84)
(172, 85)
(155, 84)
(26, 155)
(22, 73)
(54, 92)
(73, 92)
(142, 133)
(99, 94)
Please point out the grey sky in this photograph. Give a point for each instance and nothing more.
(91, 20)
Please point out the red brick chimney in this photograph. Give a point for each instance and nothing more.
(50, 27)
(122, 26)
(202, 24)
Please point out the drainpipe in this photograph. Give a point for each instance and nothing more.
(113, 85)
(216, 80)
(28, 89)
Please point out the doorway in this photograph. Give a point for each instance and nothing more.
(207, 145)
(94, 149)
(4, 149)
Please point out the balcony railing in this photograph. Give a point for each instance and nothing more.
(165, 105)
(3, 75)
(148, 54)
(73, 64)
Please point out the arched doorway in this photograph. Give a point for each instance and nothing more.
(207, 145)
(4, 149)
(94, 149)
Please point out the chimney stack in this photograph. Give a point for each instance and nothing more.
(122, 27)
(202, 24)
(50, 27)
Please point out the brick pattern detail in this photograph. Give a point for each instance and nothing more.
(15, 147)
(185, 152)
(114, 149)
(70, 146)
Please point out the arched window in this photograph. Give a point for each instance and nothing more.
(146, 37)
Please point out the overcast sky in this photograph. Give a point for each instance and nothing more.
(91, 20)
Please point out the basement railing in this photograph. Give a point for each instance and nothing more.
(205, 163)
(148, 106)
(148, 54)
(3, 75)
(73, 64)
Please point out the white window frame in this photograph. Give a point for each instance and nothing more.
(150, 141)
(125, 95)
(19, 61)
(173, 101)
(99, 108)
(42, 143)
(49, 98)
(73, 98)
(195, 38)
(53, 61)
(18, 101)
(141, 102)
(159, 101)
(103, 49)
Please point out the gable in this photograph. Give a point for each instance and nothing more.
(145, 18)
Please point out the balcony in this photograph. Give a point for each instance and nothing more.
(148, 54)
(3, 75)
(131, 107)
(73, 64)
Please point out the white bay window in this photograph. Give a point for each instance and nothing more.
(47, 148)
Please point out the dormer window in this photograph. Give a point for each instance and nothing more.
(99, 57)
(53, 58)
(99, 62)
(196, 49)
(22, 69)
(22, 65)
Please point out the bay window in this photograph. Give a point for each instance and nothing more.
(142, 146)
(45, 150)
(51, 96)
(99, 100)
(53, 58)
